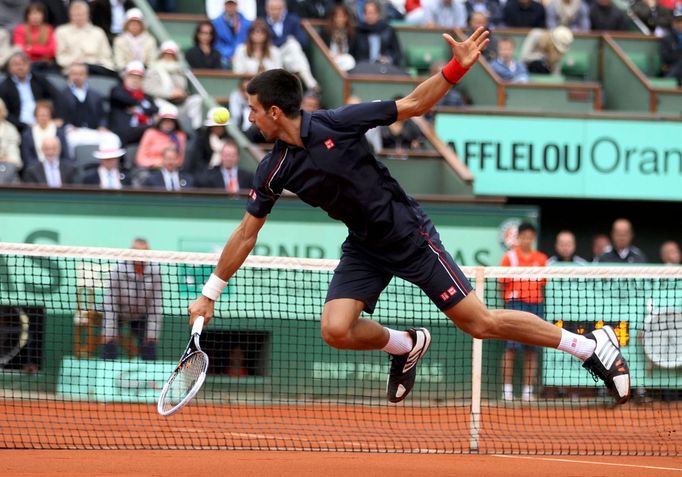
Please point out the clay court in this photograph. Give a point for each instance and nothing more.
(283, 464)
(221, 435)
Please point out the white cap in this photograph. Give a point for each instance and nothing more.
(169, 46)
(135, 68)
(168, 111)
(134, 14)
(109, 147)
(562, 37)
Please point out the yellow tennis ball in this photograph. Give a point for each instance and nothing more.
(221, 115)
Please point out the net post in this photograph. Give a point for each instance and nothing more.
(476, 371)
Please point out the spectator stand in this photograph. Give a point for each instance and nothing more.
(632, 64)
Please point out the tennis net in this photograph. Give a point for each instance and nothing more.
(88, 337)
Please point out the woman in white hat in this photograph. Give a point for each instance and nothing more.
(543, 50)
(166, 81)
(165, 132)
(134, 43)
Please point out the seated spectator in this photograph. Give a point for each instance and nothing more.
(11, 12)
(480, 19)
(108, 175)
(401, 135)
(239, 106)
(203, 54)
(600, 244)
(169, 176)
(21, 89)
(257, 54)
(390, 12)
(32, 138)
(231, 29)
(524, 14)
(52, 172)
(310, 102)
(376, 41)
(671, 49)
(36, 37)
(507, 68)
(288, 35)
(605, 16)
(132, 111)
(339, 36)
(490, 8)
(655, 17)
(573, 14)
(9, 140)
(622, 250)
(166, 132)
(564, 248)
(80, 40)
(543, 50)
(84, 118)
(206, 147)
(134, 43)
(670, 253)
(228, 176)
(444, 14)
(166, 81)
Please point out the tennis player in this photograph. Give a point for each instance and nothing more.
(324, 159)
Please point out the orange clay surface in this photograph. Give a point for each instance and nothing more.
(285, 464)
(89, 434)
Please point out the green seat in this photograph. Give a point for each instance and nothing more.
(663, 82)
(422, 57)
(641, 61)
(547, 79)
(576, 64)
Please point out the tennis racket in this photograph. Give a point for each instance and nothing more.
(187, 378)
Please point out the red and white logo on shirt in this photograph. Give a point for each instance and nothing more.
(329, 144)
(252, 194)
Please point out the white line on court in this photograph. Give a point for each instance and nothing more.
(673, 469)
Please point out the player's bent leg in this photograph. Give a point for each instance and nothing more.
(343, 328)
(474, 318)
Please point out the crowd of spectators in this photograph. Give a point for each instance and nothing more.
(115, 80)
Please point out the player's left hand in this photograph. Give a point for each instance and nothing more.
(467, 52)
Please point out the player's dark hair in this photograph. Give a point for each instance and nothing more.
(278, 88)
(524, 226)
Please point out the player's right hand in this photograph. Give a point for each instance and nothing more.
(202, 306)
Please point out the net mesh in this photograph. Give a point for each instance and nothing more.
(89, 336)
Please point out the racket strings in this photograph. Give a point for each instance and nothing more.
(186, 380)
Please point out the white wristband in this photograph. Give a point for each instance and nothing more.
(213, 287)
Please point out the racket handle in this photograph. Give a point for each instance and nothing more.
(198, 325)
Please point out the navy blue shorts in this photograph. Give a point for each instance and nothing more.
(363, 271)
(534, 308)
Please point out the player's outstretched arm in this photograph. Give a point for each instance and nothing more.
(237, 248)
(464, 55)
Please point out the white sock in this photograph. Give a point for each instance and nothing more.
(527, 391)
(399, 342)
(508, 392)
(577, 345)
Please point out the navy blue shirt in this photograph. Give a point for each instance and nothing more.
(337, 172)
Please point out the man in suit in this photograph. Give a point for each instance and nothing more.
(21, 89)
(290, 37)
(169, 176)
(51, 172)
(83, 111)
(228, 176)
(108, 175)
(132, 111)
